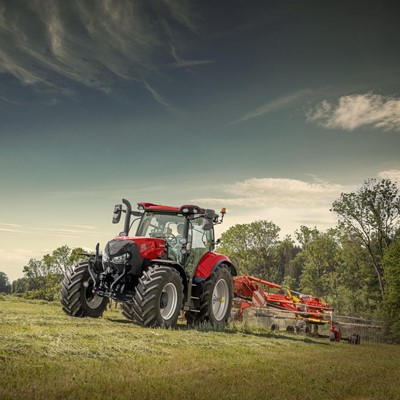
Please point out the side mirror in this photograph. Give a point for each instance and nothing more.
(117, 213)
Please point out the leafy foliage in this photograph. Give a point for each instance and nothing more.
(256, 250)
(373, 215)
(42, 277)
(391, 263)
(5, 286)
(321, 265)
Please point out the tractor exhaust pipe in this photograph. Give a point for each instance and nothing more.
(127, 216)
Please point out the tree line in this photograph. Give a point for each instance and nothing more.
(354, 266)
(42, 277)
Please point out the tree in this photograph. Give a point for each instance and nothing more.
(391, 264)
(358, 290)
(43, 276)
(319, 275)
(5, 286)
(373, 215)
(254, 249)
(19, 286)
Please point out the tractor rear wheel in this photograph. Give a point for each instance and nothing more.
(77, 297)
(215, 299)
(158, 299)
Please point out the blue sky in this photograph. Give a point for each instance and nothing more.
(269, 108)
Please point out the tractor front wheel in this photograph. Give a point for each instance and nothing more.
(158, 298)
(77, 297)
(216, 297)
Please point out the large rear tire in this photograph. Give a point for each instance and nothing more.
(77, 298)
(215, 299)
(158, 298)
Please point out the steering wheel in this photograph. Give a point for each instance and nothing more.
(171, 239)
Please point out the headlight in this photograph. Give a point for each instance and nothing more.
(105, 257)
(120, 259)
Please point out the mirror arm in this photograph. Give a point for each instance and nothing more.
(127, 217)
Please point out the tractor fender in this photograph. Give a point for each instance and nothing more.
(209, 262)
(175, 265)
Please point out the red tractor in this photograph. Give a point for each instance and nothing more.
(169, 265)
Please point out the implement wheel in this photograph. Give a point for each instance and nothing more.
(158, 299)
(77, 297)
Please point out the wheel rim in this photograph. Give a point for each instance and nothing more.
(220, 299)
(168, 301)
(92, 300)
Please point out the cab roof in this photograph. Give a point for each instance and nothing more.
(184, 209)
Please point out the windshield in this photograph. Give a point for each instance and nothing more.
(160, 225)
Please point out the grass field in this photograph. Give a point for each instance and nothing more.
(46, 355)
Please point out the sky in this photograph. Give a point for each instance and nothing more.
(271, 109)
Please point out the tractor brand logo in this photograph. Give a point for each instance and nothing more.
(143, 246)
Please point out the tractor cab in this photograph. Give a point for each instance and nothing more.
(188, 231)
(186, 239)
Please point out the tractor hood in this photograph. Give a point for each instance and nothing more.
(150, 248)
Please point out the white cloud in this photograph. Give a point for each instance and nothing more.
(287, 202)
(275, 105)
(392, 174)
(358, 110)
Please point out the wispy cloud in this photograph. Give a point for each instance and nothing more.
(276, 105)
(354, 111)
(7, 100)
(62, 230)
(80, 226)
(287, 202)
(95, 44)
(157, 97)
(12, 228)
(180, 62)
(78, 231)
(278, 192)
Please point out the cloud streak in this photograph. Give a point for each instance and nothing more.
(181, 63)
(276, 105)
(274, 192)
(358, 110)
(12, 228)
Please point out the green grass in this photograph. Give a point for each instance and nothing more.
(45, 354)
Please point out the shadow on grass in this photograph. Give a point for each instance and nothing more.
(255, 331)
(262, 333)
